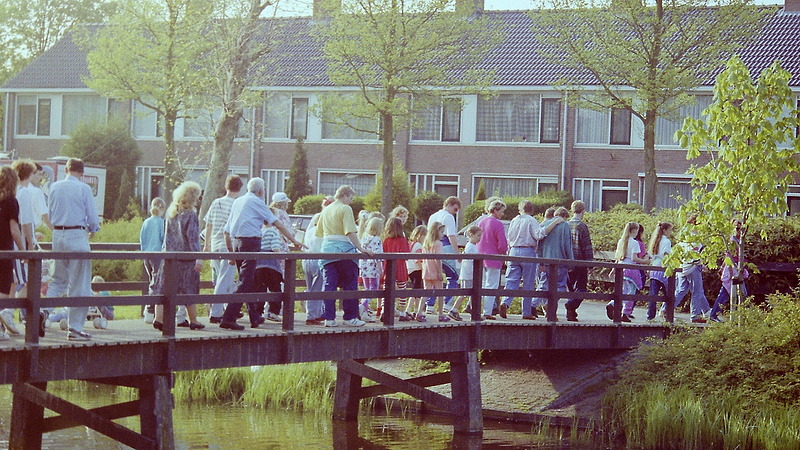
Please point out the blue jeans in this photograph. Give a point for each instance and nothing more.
(561, 283)
(692, 281)
(247, 273)
(340, 274)
(526, 271)
(656, 286)
(722, 299)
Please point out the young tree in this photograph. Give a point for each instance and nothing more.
(402, 192)
(237, 42)
(481, 194)
(109, 145)
(150, 52)
(394, 52)
(749, 138)
(298, 184)
(662, 49)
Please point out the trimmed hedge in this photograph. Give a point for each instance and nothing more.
(428, 202)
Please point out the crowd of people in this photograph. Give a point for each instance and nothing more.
(237, 223)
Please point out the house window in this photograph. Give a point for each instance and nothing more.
(551, 121)
(274, 181)
(440, 121)
(286, 116)
(609, 126)
(444, 185)
(506, 186)
(673, 194)
(80, 109)
(33, 115)
(508, 118)
(666, 127)
(620, 126)
(600, 194)
(361, 182)
(147, 123)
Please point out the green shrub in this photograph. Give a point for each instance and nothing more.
(428, 202)
(402, 191)
(118, 270)
(309, 204)
(541, 202)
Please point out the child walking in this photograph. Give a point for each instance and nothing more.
(394, 241)
(628, 253)
(659, 246)
(151, 239)
(474, 234)
(370, 269)
(414, 267)
(432, 268)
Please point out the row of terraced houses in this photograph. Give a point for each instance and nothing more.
(521, 141)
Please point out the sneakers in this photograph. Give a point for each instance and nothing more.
(149, 317)
(453, 314)
(258, 321)
(211, 319)
(354, 323)
(231, 326)
(540, 311)
(330, 324)
(625, 318)
(7, 319)
(489, 317)
(75, 335)
(421, 318)
(4, 336)
(318, 321)
(367, 316)
(503, 310)
(272, 317)
(444, 319)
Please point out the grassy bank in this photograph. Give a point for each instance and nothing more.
(733, 385)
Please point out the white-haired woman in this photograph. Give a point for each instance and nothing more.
(182, 234)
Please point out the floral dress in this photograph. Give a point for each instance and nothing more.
(370, 268)
(182, 234)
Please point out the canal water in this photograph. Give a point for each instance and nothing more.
(242, 427)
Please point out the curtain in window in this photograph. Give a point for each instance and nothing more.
(276, 116)
(360, 182)
(299, 118)
(26, 114)
(336, 131)
(592, 126)
(666, 128)
(551, 121)
(78, 109)
(507, 187)
(669, 193)
(451, 120)
(144, 121)
(508, 118)
(620, 126)
(428, 122)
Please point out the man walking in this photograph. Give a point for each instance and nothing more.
(243, 235)
(446, 216)
(557, 245)
(216, 218)
(581, 249)
(75, 220)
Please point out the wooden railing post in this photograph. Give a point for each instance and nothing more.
(552, 293)
(33, 305)
(390, 292)
(618, 273)
(289, 289)
(670, 299)
(476, 305)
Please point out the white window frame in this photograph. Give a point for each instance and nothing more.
(607, 137)
(288, 131)
(139, 113)
(538, 179)
(593, 204)
(423, 181)
(461, 101)
(55, 115)
(274, 181)
(355, 173)
(542, 96)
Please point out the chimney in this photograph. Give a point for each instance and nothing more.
(323, 8)
(792, 6)
(469, 7)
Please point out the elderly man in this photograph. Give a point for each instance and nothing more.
(216, 218)
(557, 245)
(243, 234)
(75, 220)
(524, 234)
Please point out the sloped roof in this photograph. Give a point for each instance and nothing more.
(297, 60)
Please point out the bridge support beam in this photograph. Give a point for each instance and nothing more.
(154, 407)
(464, 378)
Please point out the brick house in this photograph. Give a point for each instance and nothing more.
(519, 142)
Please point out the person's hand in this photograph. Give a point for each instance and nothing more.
(232, 262)
(367, 252)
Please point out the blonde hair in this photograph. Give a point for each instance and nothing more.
(419, 230)
(628, 231)
(98, 279)
(655, 238)
(343, 191)
(435, 233)
(157, 206)
(393, 228)
(398, 211)
(8, 182)
(473, 230)
(184, 198)
(487, 206)
(374, 227)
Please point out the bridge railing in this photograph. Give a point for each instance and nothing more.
(291, 294)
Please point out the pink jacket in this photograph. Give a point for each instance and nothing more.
(493, 241)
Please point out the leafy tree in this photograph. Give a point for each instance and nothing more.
(428, 202)
(29, 27)
(402, 192)
(393, 52)
(236, 42)
(481, 194)
(661, 49)
(149, 52)
(109, 145)
(748, 138)
(298, 184)
(127, 188)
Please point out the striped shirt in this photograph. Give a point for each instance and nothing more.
(217, 216)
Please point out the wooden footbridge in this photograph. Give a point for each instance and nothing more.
(144, 359)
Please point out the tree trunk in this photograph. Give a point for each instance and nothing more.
(172, 171)
(650, 177)
(388, 164)
(224, 134)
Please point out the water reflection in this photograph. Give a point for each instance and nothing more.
(242, 427)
